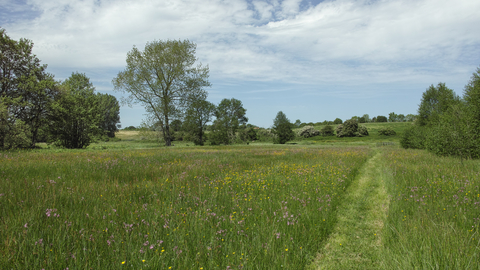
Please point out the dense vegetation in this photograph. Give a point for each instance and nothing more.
(36, 108)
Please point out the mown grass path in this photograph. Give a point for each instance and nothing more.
(355, 243)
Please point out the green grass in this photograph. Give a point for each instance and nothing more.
(434, 212)
(134, 204)
(356, 241)
(265, 207)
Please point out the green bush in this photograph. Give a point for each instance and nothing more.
(381, 118)
(348, 129)
(337, 121)
(362, 131)
(387, 132)
(307, 132)
(327, 131)
(414, 137)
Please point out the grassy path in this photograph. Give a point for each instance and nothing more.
(355, 242)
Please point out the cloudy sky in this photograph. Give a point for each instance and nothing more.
(314, 60)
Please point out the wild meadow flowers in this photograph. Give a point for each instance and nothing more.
(434, 215)
(210, 208)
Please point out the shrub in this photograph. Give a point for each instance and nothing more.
(307, 132)
(387, 132)
(337, 121)
(348, 129)
(362, 131)
(327, 131)
(413, 137)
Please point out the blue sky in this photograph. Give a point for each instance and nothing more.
(314, 60)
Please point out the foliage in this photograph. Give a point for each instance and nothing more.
(26, 91)
(199, 113)
(387, 132)
(75, 115)
(410, 118)
(265, 135)
(361, 120)
(348, 129)
(367, 118)
(414, 137)
(435, 101)
(392, 117)
(229, 114)
(247, 134)
(337, 121)
(362, 131)
(130, 128)
(307, 132)
(110, 110)
(381, 119)
(327, 131)
(161, 78)
(282, 128)
(471, 96)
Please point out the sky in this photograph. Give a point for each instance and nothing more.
(314, 60)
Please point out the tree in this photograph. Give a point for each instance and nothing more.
(199, 113)
(367, 118)
(229, 114)
(26, 91)
(298, 123)
(381, 119)
(410, 117)
(392, 117)
(282, 128)
(75, 116)
(401, 118)
(434, 102)
(110, 110)
(471, 95)
(337, 121)
(161, 78)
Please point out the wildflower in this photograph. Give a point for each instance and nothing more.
(25, 225)
(123, 262)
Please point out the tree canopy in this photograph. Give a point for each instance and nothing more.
(229, 114)
(282, 128)
(161, 78)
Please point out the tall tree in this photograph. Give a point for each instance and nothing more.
(392, 117)
(75, 116)
(282, 128)
(161, 78)
(434, 102)
(26, 91)
(199, 113)
(110, 111)
(229, 114)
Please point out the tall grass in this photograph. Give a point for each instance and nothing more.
(434, 213)
(187, 208)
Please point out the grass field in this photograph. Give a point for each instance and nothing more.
(131, 204)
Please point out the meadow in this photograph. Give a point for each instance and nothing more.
(434, 214)
(171, 208)
(131, 204)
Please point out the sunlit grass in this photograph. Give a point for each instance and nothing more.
(434, 212)
(185, 208)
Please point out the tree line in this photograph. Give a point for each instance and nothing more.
(34, 107)
(448, 125)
